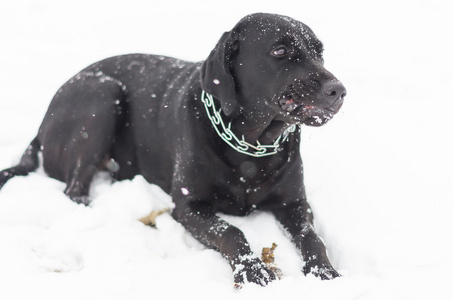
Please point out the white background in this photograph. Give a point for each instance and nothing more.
(379, 175)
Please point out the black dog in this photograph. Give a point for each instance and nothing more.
(219, 136)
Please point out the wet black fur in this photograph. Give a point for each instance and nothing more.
(141, 114)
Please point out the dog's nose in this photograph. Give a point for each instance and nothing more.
(334, 90)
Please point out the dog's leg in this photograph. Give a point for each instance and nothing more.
(78, 185)
(79, 131)
(297, 219)
(216, 233)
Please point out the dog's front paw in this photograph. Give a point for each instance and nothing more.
(252, 269)
(322, 270)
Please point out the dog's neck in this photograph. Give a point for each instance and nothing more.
(253, 134)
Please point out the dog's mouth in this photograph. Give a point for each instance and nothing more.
(300, 109)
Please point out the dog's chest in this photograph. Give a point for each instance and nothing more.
(245, 187)
(239, 199)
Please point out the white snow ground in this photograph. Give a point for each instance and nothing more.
(379, 175)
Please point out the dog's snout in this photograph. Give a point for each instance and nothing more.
(334, 90)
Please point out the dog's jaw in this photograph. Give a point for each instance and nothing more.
(295, 108)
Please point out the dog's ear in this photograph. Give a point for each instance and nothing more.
(216, 78)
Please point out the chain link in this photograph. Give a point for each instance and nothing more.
(240, 145)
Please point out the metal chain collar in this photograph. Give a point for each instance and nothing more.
(240, 145)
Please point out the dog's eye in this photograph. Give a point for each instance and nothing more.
(280, 51)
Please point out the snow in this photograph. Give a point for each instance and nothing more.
(378, 175)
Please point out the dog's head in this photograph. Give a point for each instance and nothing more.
(271, 65)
